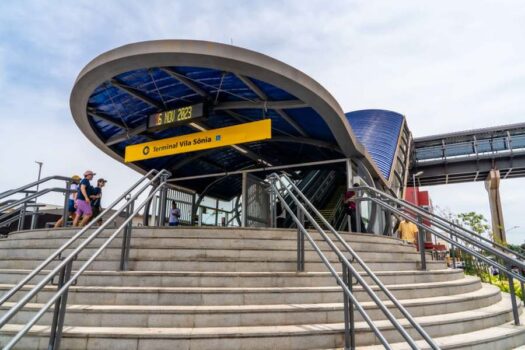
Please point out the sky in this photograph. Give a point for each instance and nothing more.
(445, 65)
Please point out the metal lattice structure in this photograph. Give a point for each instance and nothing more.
(256, 202)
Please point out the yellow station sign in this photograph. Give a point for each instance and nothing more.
(232, 135)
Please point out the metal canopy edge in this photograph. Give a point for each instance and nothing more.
(239, 61)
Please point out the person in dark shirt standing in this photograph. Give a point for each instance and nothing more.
(96, 196)
(83, 203)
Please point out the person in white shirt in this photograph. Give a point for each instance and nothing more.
(73, 189)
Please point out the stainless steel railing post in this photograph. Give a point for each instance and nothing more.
(348, 310)
(22, 215)
(65, 211)
(273, 207)
(59, 313)
(163, 203)
(421, 244)
(452, 250)
(34, 219)
(300, 241)
(512, 291)
(126, 238)
(357, 218)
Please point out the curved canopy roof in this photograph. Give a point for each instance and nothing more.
(115, 94)
(378, 130)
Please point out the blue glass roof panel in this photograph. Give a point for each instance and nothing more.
(168, 92)
(312, 123)
(378, 131)
(273, 92)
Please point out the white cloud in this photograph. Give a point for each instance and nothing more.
(64, 151)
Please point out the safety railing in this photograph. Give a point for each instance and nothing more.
(349, 273)
(64, 269)
(21, 206)
(339, 215)
(316, 188)
(452, 233)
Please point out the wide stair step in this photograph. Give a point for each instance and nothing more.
(304, 336)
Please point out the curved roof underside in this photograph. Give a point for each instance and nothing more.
(378, 130)
(116, 93)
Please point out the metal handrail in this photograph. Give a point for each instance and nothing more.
(67, 261)
(444, 224)
(7, 215)
(7, 202)
(459, 227)
(52, 257)
(32, 184)
(31, 197)
(429, 229)
(367, 270)
(406, 211)
(348, 293)
(15, 218)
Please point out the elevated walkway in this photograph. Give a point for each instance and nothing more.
(470, 155)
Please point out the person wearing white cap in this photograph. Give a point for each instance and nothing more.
(83, 203)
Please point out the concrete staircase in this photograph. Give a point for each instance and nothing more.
(230, 288)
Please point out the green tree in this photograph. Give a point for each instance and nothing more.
(476, 222)
(517, 248)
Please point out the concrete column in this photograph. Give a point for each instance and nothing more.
(496, 211)
(349, 173)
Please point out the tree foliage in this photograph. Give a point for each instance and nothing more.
(517, 248)
(476, 222)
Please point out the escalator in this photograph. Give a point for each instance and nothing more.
(323, 187)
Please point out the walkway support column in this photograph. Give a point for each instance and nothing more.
(496, 211)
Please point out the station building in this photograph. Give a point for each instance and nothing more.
(133, 95)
